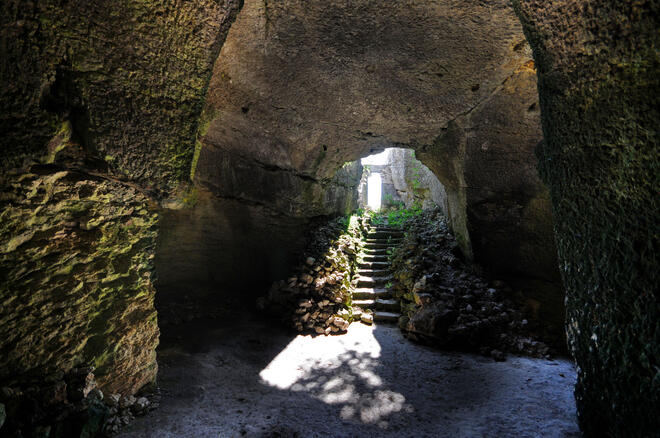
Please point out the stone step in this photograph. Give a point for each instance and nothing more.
(375, 251)
(374, 272)
(374, 265)
(370, 293)
(386, 316)
(376, 258)
(377, 248)
(388, 305)
(378, 304)
(376, 245)
(364, 304)
(384, 234)
(381, 238)
(381, 234)
(373, 281)
(390, 242)
(383, 228)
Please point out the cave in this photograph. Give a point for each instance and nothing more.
(167, 164)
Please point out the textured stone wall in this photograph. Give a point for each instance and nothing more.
(99, 109)
(388, 193)
(498, 207)
(243, 231)
(414, 182)
(598, 68)
(76, 261)
(99, 120)
(129, 76)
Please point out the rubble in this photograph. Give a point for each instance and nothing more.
(448, 303)
(69, 402)
(316, 298)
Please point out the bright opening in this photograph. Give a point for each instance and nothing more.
(374, 191)
(378, 159)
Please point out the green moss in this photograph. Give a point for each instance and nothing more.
(193, 166)
(318, 160)
(601, 161)
(190, 197)
(138, 80)
(176, 160)
(81, 277)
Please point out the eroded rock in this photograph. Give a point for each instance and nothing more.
(449, 304)
(316, 298)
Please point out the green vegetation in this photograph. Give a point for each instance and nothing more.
(397, 215)
(417, 174)
(388, 199)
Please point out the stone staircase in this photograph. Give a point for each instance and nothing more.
(372, 297)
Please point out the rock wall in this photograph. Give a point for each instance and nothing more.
(498, 207)
(600, 94)
(76, 262)
(227, 243)
(388, 193)
(414, 182)
(99, 108)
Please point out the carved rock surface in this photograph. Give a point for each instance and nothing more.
(600, 101)
(99, 108)
(76, 259)
(300, 87)
(309, 85)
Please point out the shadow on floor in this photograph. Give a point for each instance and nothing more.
(243, 376)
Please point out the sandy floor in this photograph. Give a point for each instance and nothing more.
(253, 380)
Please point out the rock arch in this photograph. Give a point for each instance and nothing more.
(122, 128)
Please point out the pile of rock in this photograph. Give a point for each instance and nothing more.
(67, 405)
(123, 409)
(448, 303)
(58, 404)
(317, 297)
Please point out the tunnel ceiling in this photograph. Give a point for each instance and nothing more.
(308, 85)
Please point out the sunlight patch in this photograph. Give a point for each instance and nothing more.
(338, 370)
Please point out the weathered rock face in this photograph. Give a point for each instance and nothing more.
(302, 86)
(316, 299)
(388, 194)
(99, 106)
(448, 304)
(405, 180)
(236, 234)
(309, 85)
(498, 207)
(110, 92)
(76, 289)
(130, 77)
(414, 182)
(600, 98)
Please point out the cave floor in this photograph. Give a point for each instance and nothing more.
(246, 377)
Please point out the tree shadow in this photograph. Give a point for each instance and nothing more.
(248, 377)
